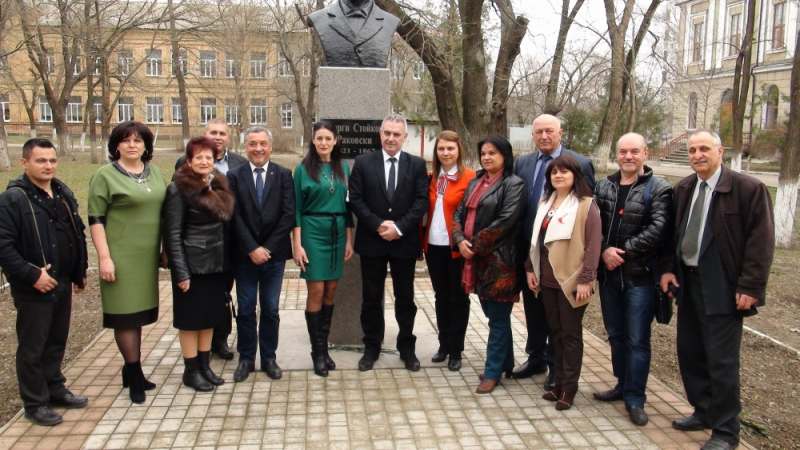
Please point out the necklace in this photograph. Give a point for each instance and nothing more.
(140, 180)
(332, 189)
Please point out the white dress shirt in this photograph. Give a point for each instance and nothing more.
(711, 183)
(386, 166)
(438, 234)
(253, 168)
(222, 164)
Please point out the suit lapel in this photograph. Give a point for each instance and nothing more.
(402, 169)
(268, 180)
(530, 175)
(683, 212)
(340, 24)
(250, 182)
(371, 27)
(708, 233)
(380, 173)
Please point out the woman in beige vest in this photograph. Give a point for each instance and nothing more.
(562, 267)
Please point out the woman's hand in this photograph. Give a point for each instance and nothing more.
(466, 249)
(107, 270)
(533, 283)
(163, 260)
(584, 292)
(300, 258)
(348, 250)
(184, 285)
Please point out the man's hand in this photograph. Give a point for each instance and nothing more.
(78, 289)
(466, 249)
(259, 256)
(184, 285)
(745, 302)
(612, 258)
(45, 282)
(666, 279)
(388, 231)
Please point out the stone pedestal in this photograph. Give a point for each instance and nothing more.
(352, 93)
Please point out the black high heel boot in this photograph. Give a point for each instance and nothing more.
(148, 386)
(314, 324)
(205, 370)
(192, 377)
(136, 382)
(327, 315)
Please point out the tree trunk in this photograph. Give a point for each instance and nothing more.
(184, 100)
(786, 201)
(634, 108)
(741, 87)
(551, 104)
(62, 131)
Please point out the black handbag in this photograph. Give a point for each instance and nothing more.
(664, 304)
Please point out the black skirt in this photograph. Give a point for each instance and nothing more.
(203, 306)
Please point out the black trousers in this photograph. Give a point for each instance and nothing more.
(222, 332)
(708, 355)
(452, 303)
(539, 346)
(373, 279)
(567, 325)
(42, 332)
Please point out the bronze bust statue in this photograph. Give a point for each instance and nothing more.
(354, 33)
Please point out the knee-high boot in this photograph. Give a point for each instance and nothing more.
(314, 324)
(327, 315)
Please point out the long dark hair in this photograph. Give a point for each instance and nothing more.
(123, 131)
(311, 161)
(580, 188)
(505, 149)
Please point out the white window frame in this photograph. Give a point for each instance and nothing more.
(125, 111)
(230, 67)
(232, 112)
(5, 108)
(177, 117)
(154, 110)
(154, 66)
(208, 66)
(98, 110)
(284, 70)
(74, 111)
(258, 113)
(766, 119)
(49, 64)
(693, 42)
(772, 16)
(208, 112)
(125, 62)
(45, 112)
(76, 64)
(395, 66)
(183, 63)
(287, 115)
(258, 67)
(692, 111)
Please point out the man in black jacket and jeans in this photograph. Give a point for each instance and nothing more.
(632, 234)
(43, 253)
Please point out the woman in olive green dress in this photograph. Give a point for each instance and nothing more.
(323, 235)
(125, 199)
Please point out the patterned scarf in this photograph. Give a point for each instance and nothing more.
(444, 179)
(468, 276)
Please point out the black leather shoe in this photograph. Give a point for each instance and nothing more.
(272, 369)
(610, 395)
(718, 444)
(366, 362)
(454, 364)
(550, 382)
(690, 423)
(412, 363)
(528, 370)
(222, 350)
(44, 416)
(638, 416)
(440, 356)
(243, 371)
(70, 401)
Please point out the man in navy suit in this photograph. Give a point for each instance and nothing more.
(532, 167)
(389, 195)
(261, 223)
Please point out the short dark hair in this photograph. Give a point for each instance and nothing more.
(198, 144)
(125, 129)
(505, 149)
(27, 147)
(580, 188)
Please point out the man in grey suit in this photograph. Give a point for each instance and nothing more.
(354, 33)
(532, 167)
(217, 130)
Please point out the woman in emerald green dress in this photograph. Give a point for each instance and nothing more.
(125, 199)
(323, 235)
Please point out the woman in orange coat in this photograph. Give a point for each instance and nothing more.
(449, 180)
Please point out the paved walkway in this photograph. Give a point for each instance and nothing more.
(382, 409)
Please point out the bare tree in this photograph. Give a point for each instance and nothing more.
(786, 200)
(567, 18)
(741, 86)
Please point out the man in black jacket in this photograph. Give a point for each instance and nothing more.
(43, 253)
(217, 130)
(634, 227)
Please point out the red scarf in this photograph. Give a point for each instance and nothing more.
(468, 276)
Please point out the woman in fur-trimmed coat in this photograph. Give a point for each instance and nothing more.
(197, 209)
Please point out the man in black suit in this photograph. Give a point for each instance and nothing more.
(389, 195)
(217, 130)
(547, 135)
(721, 253)
(261, 223)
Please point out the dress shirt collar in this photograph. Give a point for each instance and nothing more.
(712, 180)
(386, 156)
(253, 167)
(553, 155)
(224, 157)
(452, 171)
(352, 11)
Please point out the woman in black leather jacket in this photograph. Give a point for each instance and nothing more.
(485, 228)
(196, 213)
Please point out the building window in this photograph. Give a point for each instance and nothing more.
(232, 116)
(74, 110)
(771, 108)
(258, 65)
(3, 63)
(697, 41)
(98, 110)
(45, 113)
(284, 70)
(286, 115)
(183, 63)
(76, 64)
(418, 68)
(5, 105)
(49, 64)
(208, 64)
(98, 64)
(155, 110)
(735, 35)
(778, 25)
(125, 109)
(231, 67)
(208, 109)
(125, 62)
(153, 63)
(305, 61)
(258, 111)
(395, 65)
(692, 119)
(177, 117)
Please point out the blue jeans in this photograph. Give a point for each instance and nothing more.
(627, 315)
(500, 346)
(264, 280)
